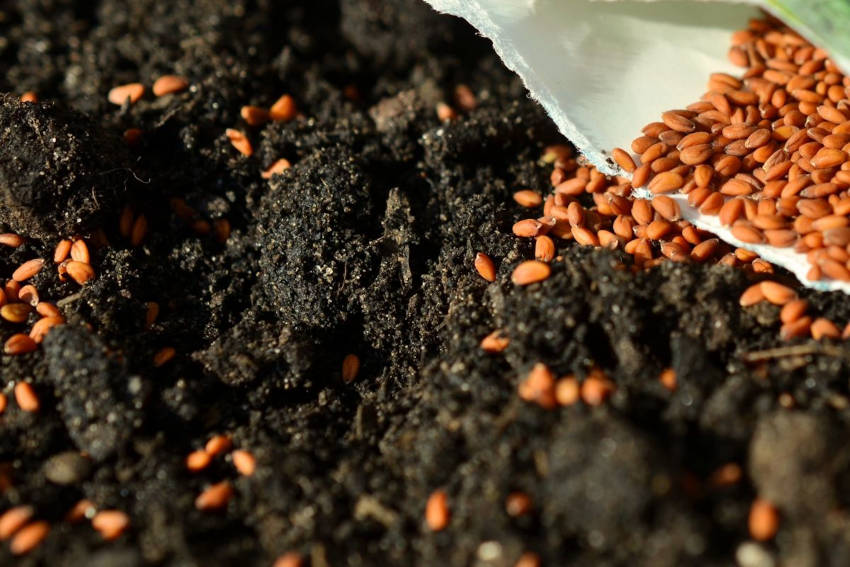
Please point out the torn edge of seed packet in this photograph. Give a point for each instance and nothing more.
(604, 69)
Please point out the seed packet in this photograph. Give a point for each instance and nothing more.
(604, 69)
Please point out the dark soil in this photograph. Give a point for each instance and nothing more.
(365, 246)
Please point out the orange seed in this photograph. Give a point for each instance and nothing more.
(169, 84)
(485, 267)
(110, 523)
(215, 497)
(244, 462)
(121, 94)
(350, 367)
(437, 514)
(26, 397)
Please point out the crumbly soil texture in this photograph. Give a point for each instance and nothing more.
(366, 246)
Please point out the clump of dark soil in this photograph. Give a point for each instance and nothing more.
(58, 169)
(365, 246)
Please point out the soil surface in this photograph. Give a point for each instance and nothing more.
(366, 246)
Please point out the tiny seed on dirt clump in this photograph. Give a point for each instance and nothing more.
(530, 271)
(27, 270)
(495, 342)
(110, 523)
(437, 514)
(214, 497)
(350, 367)
(244, 462)
(26, 397)
(485, 267)
(29, 537)
(169, 84)
(129, 93)
(13, 520)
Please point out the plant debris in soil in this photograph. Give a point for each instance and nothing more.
(194, 410)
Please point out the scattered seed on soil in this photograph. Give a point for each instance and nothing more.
(763, 521)
(240, 141)
(824, 328)
(27, 270)
(729, 474)
(752, 295)
(198, 460)
(80, 272)
(254, 115)
(218, 444)
(544, 249)
(133, 136)
(215, 497)
(595, 389)
(67, 468)
(125, 225)
(539, 387)
(28, 294)
(528, 198)
(530, 271)
(80, 252)
(139, 230)
(131, 92)
(528, 559)
(244, 462)
(42, 327)
(46, 309)
(15, 312)
(276, 168)
(796, 329)
(82, 510)
(518, 504)
(284, 109)
(110, 523)
(201, 227)
(668, 379)
(289, 559)
(793, 310)
(567, 391)
(26, 397)
(151, 314)
(11, 240)
(29, 537)
(445, 113)
(485, 267)
(350, 367)
(465, 98)
(437, 514)
(13, 520)
(495, 342)
(19, 344)
(169, 84)
(163, 356)
(12, 290)
(777, 293)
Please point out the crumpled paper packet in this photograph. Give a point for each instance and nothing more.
(604, 69)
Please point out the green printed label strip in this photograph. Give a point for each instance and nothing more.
(826, 23)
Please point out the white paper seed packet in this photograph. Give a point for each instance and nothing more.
(603, 69)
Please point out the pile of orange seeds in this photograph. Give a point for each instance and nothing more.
(768, 153)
